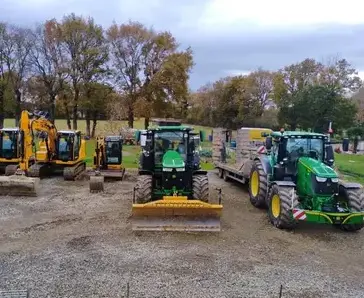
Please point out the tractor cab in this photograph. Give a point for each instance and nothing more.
(167, 144)
(10, 143)
(68, 145)
(305, 159)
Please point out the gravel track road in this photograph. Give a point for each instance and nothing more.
(70, 243)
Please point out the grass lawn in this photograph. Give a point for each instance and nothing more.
(106, 127)
(351, 166)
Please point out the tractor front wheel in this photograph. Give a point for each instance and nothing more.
(355, 200)
(200, 185)
(143, 189)
(258, 186)
(280, 207)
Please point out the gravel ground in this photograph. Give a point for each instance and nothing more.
(70, 243)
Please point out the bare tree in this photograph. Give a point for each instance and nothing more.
(48, 61)
(16, 48)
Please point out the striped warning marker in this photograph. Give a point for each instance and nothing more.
(299, 214)
(261, 150)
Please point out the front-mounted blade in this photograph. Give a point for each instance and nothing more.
(176, 214)
(19, 185)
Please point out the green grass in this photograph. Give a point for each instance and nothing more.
(107, 127)
(351, 166)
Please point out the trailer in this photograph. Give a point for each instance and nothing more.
(235, 162)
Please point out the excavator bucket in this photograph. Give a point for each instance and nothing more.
(176, 214)
(19, 185)
(97, 183)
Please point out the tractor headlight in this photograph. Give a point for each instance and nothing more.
(335, 180)
(321, 179)
(180, 169)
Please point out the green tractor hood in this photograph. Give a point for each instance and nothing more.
(317, 167)
(172, 159)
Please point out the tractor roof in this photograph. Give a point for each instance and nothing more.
(171, 128)
(278, 134)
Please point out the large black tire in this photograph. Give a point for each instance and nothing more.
(200, 188)
(355, 200)
(258, 192)
(282, 217)
(144, 189)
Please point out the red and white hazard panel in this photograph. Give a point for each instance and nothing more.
(261, 150)
(299, 214)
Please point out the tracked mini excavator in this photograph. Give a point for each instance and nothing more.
(64, 151)
(108, 161)
(16, 156)
(172, 192)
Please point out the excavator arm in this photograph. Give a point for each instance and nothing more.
(27, 127)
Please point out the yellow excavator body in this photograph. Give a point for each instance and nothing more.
(108, 161)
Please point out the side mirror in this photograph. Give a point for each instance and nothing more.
(202, 136)
(268, 143)
(329, 155)
(137, 136)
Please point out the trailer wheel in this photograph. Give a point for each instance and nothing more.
(280, 207)
(200, 184)
(355, 200)
(258, 186)
(225, 175)
(143, 189)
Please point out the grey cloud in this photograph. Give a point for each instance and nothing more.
(243, 48)
(213, 57)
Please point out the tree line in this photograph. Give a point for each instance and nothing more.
(75, 68)
(305, 95)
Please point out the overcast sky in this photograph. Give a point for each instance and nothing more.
(228, 37)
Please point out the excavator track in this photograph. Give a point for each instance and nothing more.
(74, 172)
(38, 170)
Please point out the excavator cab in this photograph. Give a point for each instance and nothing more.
(11, 147)
(68, 145)
(108, 161)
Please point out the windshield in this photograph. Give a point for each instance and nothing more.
(113, 152)
(298, 147)
(8, 144)
(170, 140)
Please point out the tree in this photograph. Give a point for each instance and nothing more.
(94, 100)
(47, 58)
(262, 87)
(16, 47)
(315, 106)
(86, 52)
(148, 68)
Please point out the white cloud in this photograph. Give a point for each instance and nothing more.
(280, 13)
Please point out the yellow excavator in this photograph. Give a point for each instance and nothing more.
(108, 161)
(63, 151)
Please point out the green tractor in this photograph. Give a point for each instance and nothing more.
(172, 192)
(296, 181)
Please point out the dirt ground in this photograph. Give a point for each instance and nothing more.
(70, 243)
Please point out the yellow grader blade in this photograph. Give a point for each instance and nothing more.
(19, 185)
(176, 214)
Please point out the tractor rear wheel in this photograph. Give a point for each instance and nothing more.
(280, 207)
(144, 189)
(258, 185)
(200, 185)
(355, 199)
